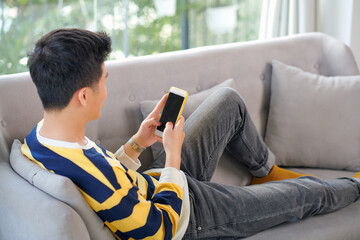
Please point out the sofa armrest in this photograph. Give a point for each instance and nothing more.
(29, 213)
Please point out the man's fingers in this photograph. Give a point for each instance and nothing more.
(180, 123)
(169, 125)
(151, 122)
(159, 139)
(158, 107)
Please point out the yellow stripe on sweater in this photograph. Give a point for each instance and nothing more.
(78, 158)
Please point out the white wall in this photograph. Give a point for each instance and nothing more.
(334, 18)
(341, 19)
(355, 31)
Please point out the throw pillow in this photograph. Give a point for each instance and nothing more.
(59, 187)
(314, 121)
(193, 101)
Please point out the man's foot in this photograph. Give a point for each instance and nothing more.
(277, 174)
(357, 175)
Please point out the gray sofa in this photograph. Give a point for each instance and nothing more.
(35, 204)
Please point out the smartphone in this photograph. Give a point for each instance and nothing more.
(173, 108)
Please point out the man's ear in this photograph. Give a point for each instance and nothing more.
(82, 96)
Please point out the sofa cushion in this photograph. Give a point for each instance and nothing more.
(193, 101)
(59, 187)
(313, 119)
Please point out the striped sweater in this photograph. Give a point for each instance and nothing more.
(133, 205)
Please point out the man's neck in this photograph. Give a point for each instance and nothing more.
(63, 126)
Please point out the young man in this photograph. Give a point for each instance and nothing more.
(67, 67)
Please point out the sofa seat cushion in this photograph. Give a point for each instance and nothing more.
(326, 174)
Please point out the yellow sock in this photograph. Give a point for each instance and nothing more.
(277, 174)
(357, 175)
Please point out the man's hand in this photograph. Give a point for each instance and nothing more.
(145, 136)
(173, 139)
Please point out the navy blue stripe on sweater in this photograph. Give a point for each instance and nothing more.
(103, 165)
(168, 198)
(153, 223)
(62, 166)
(122, 210)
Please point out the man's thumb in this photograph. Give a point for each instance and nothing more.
(169, 125)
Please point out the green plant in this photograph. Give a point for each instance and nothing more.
(22, 22)
(222, 3)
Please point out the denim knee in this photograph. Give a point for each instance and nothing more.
(231, 95)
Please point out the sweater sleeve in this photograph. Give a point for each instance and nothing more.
(134, 213)
(172, 175)
(126, 160)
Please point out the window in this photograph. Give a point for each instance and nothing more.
(137, 27)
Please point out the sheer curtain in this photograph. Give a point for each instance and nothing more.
(355, 31)
(286, 17)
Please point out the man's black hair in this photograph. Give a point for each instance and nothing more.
(66, 60)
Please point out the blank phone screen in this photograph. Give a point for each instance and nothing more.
(171, 110)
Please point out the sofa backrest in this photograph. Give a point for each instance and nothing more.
(133, 80)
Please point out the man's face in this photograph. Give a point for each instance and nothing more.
(99, 94)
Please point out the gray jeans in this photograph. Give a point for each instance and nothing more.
(229, 212)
